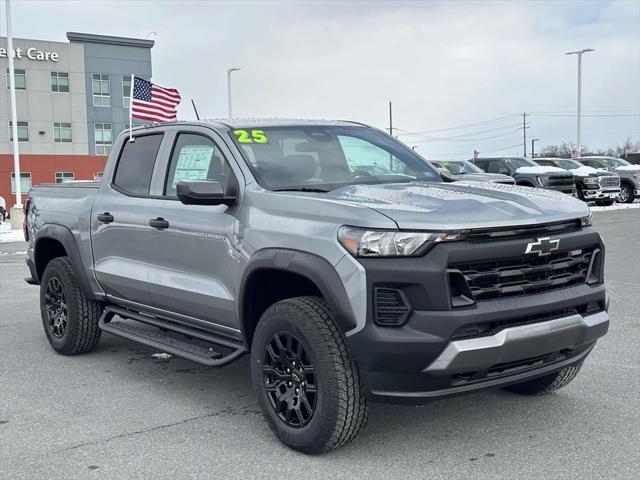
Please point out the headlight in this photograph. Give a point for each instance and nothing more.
(543, 181)
(590, 180)
(587, 221)
(361, 242)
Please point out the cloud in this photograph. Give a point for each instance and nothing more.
(442, 63)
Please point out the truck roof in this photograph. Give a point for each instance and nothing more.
(225, 123)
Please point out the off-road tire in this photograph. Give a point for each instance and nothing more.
(341, 407)
(546, 384)
(82, 332)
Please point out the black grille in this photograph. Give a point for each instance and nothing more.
(525, 275)
(523, 232)
(561, 181)
(391, 306)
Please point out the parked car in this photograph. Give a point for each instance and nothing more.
(591, 183)
(527, 173)
(467, 171)
(211, 240)
(629, 175)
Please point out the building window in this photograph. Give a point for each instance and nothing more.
(21, 79)
(59, 82)
(126, 91)
(97, 177)
(62, 177)
(23, 131)
(103, 138)
(101, 87)
(25, 182)
(62, 132)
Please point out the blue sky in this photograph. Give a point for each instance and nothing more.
(443, 64)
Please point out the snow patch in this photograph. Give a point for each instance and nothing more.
(539, 170)
(585, 170)
(13, 253)
(162, 355)
(629, 168)
(7, 235)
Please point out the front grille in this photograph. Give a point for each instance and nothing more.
(609, 181)
(525, 231)
(391, 306)
(525, 275)
(561, 181)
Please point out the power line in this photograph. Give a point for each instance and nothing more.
(468, 139)
(477, 132)
(493, 120)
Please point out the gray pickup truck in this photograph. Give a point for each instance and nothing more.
(346, 285)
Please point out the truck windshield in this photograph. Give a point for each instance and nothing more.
(460, 168)
(324, 157)
(568, 164)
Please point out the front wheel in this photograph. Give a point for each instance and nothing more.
(546, 384)
(626, 193)
(306, 382)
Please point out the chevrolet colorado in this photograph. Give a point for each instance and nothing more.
(346, 285)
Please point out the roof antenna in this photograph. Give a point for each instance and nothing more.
(195, 109)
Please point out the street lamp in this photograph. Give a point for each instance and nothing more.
(579, 53)
(229, 71)
(533, 144)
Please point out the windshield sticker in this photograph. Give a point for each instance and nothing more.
(193, 163)
(255, 136)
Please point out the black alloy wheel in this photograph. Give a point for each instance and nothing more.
(290, 379)
(56, 307)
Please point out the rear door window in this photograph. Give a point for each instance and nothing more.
(135, 165)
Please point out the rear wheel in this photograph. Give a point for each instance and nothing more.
(546, 384)
(626, 193)
(304, 377)
(69, 319)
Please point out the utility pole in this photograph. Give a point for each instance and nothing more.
(579, 121)
(390, 119)
(229, 72)
(524, 132)
(533, 147)
(14, 116)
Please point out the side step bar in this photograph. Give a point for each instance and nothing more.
(160, 339)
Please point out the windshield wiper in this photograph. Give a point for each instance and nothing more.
(302, 189)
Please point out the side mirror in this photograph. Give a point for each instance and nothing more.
(204, 192)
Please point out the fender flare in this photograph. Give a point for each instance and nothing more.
(315, 268)
(62, 234)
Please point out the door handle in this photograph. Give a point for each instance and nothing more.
(159, 223)
(105, 217)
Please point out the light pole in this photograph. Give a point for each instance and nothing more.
(229, 71)
(579, 53)
(14, 116)
(533, 146)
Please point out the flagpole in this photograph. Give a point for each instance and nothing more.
(14, 116)
(133, 80)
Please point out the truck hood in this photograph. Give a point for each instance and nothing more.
(461, 205)
(541, 170)
(485, 177)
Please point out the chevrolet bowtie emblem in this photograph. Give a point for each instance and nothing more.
(544, 246)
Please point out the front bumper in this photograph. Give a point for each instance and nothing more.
(601, 194)
(569, 190)
(428, 357)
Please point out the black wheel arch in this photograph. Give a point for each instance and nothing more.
(306, 267)
(53, 241)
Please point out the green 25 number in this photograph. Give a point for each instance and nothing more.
(255, 136)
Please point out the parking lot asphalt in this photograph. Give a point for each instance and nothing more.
(121, 413)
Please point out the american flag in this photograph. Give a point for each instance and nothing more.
(153, 102)
(475, 154)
